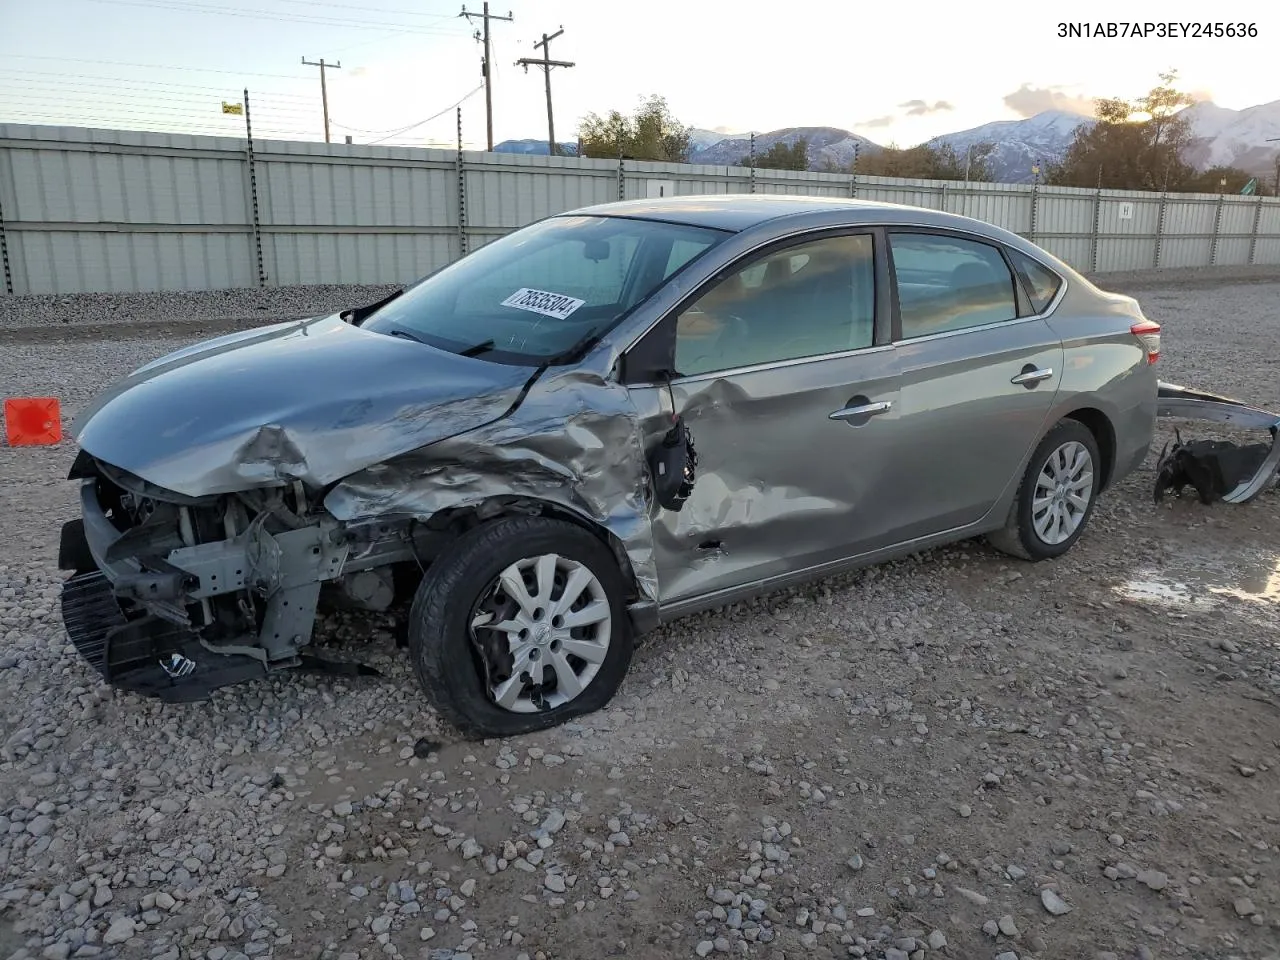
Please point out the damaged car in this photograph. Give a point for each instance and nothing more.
(602, 421)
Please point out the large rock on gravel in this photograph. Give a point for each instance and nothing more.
(120, 931)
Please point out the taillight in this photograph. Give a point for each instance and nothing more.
(1148, 332)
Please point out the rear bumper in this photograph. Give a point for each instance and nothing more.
(1179, 403)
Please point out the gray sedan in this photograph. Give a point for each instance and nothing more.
(602, 421)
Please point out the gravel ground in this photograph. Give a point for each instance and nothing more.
(954, 755)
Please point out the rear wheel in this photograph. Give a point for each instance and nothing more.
(520, 625)
(1056, 496)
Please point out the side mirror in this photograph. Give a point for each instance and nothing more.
(673, 465)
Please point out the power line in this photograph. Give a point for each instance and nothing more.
(58, 77)
(109, 104)
(487, 71)
(377, 37)
(434, 116)
(132, 111)
(204, 113)
(355, 6)
(283, 18)
(343, 126)
(78, 90)
(547, 63)
(154, 66)
(98, 121)
(84, 97)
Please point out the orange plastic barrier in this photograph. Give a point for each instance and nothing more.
(32, 421)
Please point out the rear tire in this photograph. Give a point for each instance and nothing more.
(1048, 516)
(466, 583)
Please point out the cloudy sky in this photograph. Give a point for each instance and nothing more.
(891, 72)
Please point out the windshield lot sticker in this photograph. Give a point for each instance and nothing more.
(544, 302)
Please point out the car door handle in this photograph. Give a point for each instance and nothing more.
(863, 410)
(1033, 376)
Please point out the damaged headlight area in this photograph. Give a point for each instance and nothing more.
(175, 596)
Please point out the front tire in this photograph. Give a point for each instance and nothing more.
(1056, 496)
(520, 625)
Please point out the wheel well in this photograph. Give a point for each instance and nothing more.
(1104, 434)
(458, 521)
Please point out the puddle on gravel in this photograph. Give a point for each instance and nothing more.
(1261, 587)
(1153, 589)
(1258, 587)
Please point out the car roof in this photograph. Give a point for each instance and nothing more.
(737, 211)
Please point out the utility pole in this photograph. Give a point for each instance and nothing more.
(324, 93)
(547, 63)
(485, 70)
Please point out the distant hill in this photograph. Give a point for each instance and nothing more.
(1019, 144)
(829, 147)
(1222, 137)
(535, 147)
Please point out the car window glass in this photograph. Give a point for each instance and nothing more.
(597, 277)
(1044, 283)
(682, 251)
(801, 301)
(947, 283)
(536, 292)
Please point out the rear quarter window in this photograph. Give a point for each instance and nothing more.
(1042, 283)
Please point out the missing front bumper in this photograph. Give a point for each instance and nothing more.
(143, 653)
(143, 622)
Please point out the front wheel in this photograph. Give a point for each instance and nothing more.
(1056, 496)
(520, 625)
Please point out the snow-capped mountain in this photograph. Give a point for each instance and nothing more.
(700, 139)
(829, 147)
(1019, 144)
(1221, 137)
(1235, 138)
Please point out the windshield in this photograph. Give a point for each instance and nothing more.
(542, 290)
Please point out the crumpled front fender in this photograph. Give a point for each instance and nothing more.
(575, 442)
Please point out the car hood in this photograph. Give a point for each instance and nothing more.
(313, 401)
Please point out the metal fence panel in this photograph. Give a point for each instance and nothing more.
(119, 211)
(1268, 250)
(1188, 232)
(510, 190)
(644, 180)
(1269, 219)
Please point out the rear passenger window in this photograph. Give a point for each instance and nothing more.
(806, 300)
(947, 283)
(1042, 283)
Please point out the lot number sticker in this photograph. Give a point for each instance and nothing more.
(544, 302)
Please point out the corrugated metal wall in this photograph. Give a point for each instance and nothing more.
(111, 210)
